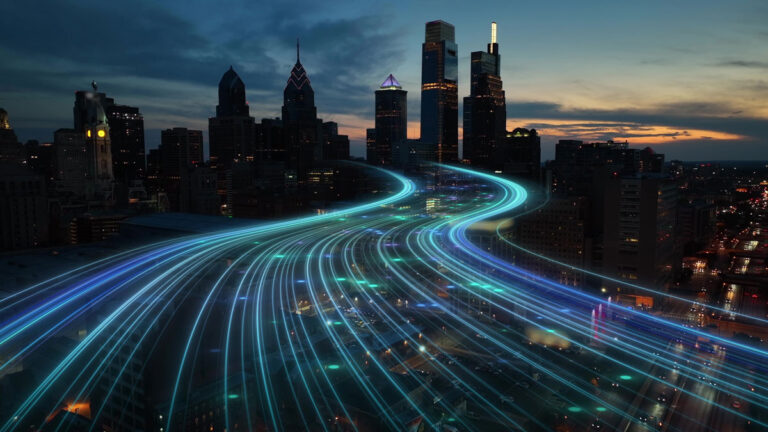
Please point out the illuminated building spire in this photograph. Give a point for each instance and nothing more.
(493, 47)
(391, 83)
(297, 51)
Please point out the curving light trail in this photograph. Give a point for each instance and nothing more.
(383, 316)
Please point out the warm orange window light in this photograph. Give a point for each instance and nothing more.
(101, 133)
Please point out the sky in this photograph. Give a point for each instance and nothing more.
(687, 77)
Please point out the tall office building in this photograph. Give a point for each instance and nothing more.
(23, 207)
(126, 132)
(558, 230)
(439, 92)
(391, 121)
(91, 120)
(485, 111)
(71, 163)
(180, 148)
(231, 133)
(180, 152)
(638, 234)
(301, 127)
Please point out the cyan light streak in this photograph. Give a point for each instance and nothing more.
(359, 309)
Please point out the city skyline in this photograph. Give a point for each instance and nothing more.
(243, 221)
(675, 84)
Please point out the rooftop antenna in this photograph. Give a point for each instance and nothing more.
(297, 50)
(95, 86)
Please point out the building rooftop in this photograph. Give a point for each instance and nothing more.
(391, 83)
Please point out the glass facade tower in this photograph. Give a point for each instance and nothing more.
(485, 112)
(439, 92)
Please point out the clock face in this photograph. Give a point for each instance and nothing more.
(101, 133)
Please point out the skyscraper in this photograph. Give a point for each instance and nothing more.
(181, 150)
(301, 127)
(126, 132)
(232, 131)
(71, 163)
(485, 111)
(439, 92)
(391, 121)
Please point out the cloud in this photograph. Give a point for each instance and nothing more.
(168, 62)
(700, 115)
(752, 64)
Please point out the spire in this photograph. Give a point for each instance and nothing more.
(297, 51)
(391, 83)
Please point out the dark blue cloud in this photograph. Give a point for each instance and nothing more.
(169, 64)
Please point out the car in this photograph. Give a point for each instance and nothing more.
(736, 404)
(662, 397)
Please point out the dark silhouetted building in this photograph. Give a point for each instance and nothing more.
(126, 132)
(638, 234)
(231, 134)
(439, 92)
(633, 209)
(485, 110)
(520, 154)
(576, 163)
(391, 121)
(180, 148)
(335, 146)
(23, 207)
(179, 154)
(93, 227)
(72, 174)
(41, 157)
(370, 144)
(412, 155)
(301, 127)
(117, 159)
(270, 144)
(559, 231)
(10, 149)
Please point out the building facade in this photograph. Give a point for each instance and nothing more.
(485, 109)
(231, 133)
(439, 92)
(520, 154)
(391, 121)
(301, 127)
(126, 133)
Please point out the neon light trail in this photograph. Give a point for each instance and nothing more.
(388, 315)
